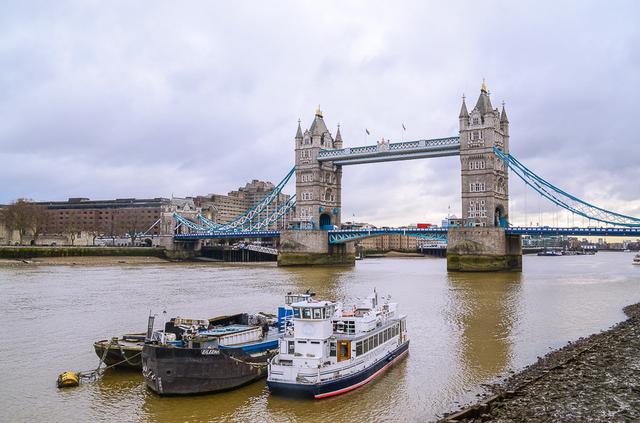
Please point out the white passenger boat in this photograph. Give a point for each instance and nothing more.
(332, 350)
(636, 259)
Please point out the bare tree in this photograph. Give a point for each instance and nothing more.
(133, 229)
(37, 217)
(17, 217)
(94, 228)
(72, 230)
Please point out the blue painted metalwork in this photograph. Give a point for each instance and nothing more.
(340, 236)
(592, 231)
(246, 218)
(227, 235)
(273, 217)
(439, 147)
(564, 199)
(189, 224)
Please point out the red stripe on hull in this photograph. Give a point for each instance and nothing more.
(364, 382)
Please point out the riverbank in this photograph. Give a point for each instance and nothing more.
(83, 261)
(33, 252)
(592, 379)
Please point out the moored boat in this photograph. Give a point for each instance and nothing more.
(124, 352)
(636, 259)
(332, 350)
(198, 357)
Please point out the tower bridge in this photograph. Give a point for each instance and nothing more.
(484, 241)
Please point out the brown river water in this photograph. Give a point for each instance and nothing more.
(466, 330)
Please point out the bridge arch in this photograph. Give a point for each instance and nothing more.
(325, 221)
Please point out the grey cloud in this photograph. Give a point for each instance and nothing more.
(119, 99)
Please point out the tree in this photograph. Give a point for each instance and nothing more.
(133, 229)
(72, 229)
(26, 216)
(37, 217)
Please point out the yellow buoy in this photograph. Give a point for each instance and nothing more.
(68, 379)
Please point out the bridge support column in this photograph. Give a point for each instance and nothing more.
(483, 249)
(183, 250)
(306, 247)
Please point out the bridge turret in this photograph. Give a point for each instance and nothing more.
(485, 183)
(299, 133)
(337, 143)
(504, 124)
(318, 184)
(464, 114)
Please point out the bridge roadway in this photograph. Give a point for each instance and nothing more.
(339, 236)
(384, 152)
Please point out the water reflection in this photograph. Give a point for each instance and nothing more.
(485, 313)
(326, 282)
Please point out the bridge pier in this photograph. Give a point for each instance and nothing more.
(308, 247)
(483, 249)
(183, 250)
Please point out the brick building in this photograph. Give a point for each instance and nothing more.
(109, 217)
(224, 208)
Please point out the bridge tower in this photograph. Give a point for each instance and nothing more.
(485, 180)
(318, 200)
(482, 244)
(318, 184)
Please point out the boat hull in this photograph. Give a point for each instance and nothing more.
(343, 384)
(122, 356)
(193, 371)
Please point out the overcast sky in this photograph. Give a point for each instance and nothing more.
(143, 99)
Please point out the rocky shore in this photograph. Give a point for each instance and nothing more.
(595, 379)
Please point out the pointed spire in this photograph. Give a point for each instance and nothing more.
(338, 135)
(484, 103)
(463, 109)
(299, 132)
(503, 115)
(318, 126)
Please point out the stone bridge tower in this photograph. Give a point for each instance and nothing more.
(482, 244)
(318, 184)
(485, 180)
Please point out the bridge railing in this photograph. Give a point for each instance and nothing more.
(391, 147)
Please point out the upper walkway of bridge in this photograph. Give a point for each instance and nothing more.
(388, 151)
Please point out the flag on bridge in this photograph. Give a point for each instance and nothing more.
(367, 131)
(404, 128)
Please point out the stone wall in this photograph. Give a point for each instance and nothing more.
(300, 247)
(483, 249)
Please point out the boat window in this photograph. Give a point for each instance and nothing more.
(358, 348)
(291, 346)
(306, 313)
(332, 349)
(317, 313)
(315, 342)
(365, 343)
(380, 340)
(302, 342)
(296, 312)
(375, 341)
(351, 327)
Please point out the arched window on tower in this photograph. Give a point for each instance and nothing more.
(328, 195)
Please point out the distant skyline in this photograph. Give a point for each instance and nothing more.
(112, 100)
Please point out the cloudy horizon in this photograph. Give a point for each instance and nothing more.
(158, 99)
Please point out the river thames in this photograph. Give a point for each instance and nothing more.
(466, 330)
